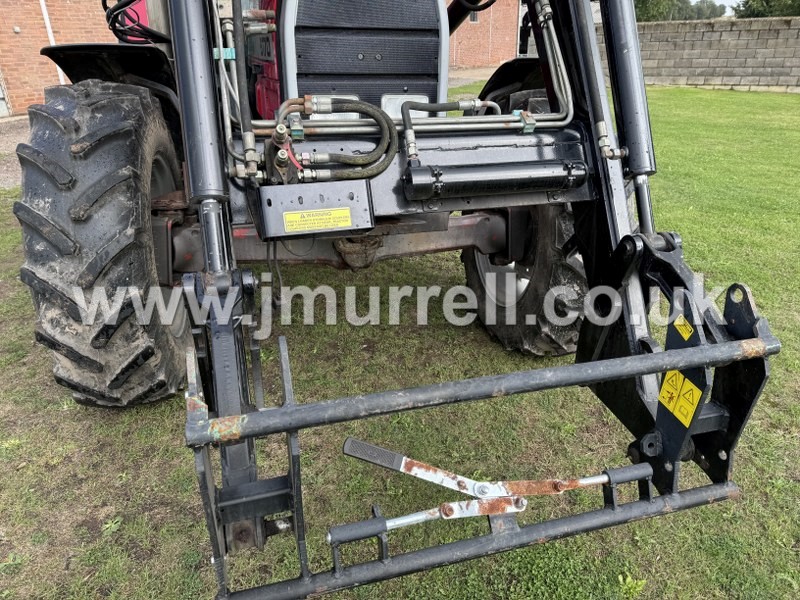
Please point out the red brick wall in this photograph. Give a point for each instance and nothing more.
(24, 71)
(489, 42)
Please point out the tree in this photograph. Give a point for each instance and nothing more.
(708, 9)
(652, 10)
(747, 9)
(680, 10)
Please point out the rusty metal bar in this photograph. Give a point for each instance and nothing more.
(455, 552)
(302, 416)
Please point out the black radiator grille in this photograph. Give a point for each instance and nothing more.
(368, 48)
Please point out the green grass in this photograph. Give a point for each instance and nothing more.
(98, 504)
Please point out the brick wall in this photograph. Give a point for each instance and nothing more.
(490, 41)
(24, 71)
(741, 54)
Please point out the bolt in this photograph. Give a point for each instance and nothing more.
(447, 510)
(279, 135)
(483, 489)
(378, 57)
(668, 467)
(520, 503)
(282, 158)
(360, 56)
(722, 455)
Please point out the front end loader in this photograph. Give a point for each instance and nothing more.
(222, 133)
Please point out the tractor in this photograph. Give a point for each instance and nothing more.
(222, 133)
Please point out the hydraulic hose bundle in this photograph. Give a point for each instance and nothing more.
(124, 23)
(362, 166)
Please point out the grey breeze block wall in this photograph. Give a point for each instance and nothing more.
(739, 54)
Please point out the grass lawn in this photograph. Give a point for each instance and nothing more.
(99, 504)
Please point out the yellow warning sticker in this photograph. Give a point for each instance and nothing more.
(684, 327)
(317, 220)
(680, 396)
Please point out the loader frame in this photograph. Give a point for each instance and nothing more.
(621, 362)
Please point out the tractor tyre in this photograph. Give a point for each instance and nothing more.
(513, 309)
(98, 153)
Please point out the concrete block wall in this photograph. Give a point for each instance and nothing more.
(739, 54)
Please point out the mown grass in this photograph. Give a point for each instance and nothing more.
(103, 504)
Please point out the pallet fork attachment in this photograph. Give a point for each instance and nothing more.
(705, 432)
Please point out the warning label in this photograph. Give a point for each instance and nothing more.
(680, 396)
(317, 220)
(684, 327)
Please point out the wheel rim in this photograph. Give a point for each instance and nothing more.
(510, 281)
(162, 181)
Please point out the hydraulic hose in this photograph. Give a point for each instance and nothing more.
(346, 106)
(240, 45)
(408, 125)
(380, 166)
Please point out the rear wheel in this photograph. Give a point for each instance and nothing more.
(512, 298)
(98, 153)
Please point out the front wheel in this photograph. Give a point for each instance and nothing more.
(512, 299)
(98, 153)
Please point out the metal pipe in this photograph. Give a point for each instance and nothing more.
(225, 96)
(425, 121)
(245, 113)
(487, 545)
(492, 105)
(198, 98)
(232, 81)
(212, 221)
(303, 416)
(562, 77)
(417, 122)
(283, 111)
(374, 130)
(644, 205)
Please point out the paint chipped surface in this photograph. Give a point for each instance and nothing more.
(226, 429)
(495, 506)
(755, 348)
(435, 475)
(195, 404)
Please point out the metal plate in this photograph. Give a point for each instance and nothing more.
(313, 208)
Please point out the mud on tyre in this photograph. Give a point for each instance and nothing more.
(509, 314)
(98, 153)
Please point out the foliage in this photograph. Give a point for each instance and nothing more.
(630, 588)
(680, 10)
(747, 9)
